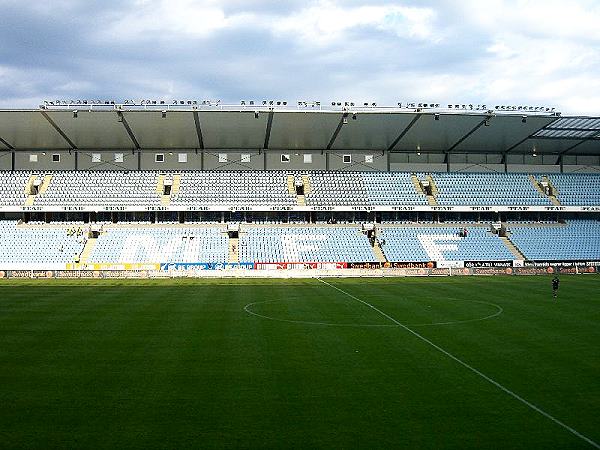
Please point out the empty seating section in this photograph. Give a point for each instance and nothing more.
(391, 189)
(577, 240)
(487, 189)
(337, 189)
(577, 189)
(270, 188)
(250, 188)
(101, 188)
(37, 245)
(12, 188)
(161, 244)
(304, 244)
(434, 243)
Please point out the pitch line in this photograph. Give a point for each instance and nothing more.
(248, 309)
(468, 366)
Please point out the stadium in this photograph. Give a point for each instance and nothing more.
(272, 274)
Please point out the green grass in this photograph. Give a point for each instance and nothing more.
(180, 363)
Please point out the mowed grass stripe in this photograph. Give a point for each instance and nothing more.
(179, 363)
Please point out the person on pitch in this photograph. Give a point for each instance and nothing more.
(555, 283)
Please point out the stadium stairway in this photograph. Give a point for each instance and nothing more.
(291, 184)
(165, 200)
(417, 184)
(234, 250)
(512, 247)
(28, 189)
(536, 185)
(176, 184)
(160, 185)
(378, 252)
(553, 190)
(306, 184)
(431, 198)
(42, 188)
(87, 250)
(45, 183)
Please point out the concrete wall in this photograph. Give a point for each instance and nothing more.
(321, 160)
(84, 160)
(45, 162)
(234, 160)
(5, 161)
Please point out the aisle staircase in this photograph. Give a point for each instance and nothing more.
(536, 185)
(431, 198)
(87, 250)
(512, 247)
(291, 184)
(234, 250)
(306, 184)
(379, 252)
(42, 188)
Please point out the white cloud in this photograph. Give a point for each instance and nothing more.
(327, 22)
(497, 51)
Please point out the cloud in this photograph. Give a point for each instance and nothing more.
(495, 52)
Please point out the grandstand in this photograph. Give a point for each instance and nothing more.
(149, 186)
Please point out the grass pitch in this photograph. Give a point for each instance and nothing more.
(299, 363)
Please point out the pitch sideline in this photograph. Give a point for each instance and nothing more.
(468, 366)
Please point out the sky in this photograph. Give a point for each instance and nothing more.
(494, 52)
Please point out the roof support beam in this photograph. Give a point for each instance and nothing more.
(466, 136)
(198, 130)
(268, 129)
(337, 130)
(403, 132)
(583, 141)
(6, 144)
(123, 120)
(58, 130)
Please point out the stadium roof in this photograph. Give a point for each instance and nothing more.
(263, 127)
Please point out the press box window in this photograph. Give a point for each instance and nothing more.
(222, 157)
(347, 159)
(119, 157)
(33, 158)
(96, 157)
(245, 158)
(285, 158)
(369, 159)
(182, 157)
(307, 158)
(55, 157)
(159, 157)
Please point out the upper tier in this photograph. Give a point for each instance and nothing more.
(279, 190)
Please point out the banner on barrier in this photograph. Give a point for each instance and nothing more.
(558, 263)
(299, 265)
(113, 266)
(450, 264)
(483, 264)
(170, 266)
(347, 208)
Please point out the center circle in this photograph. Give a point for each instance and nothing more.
(418, 311)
